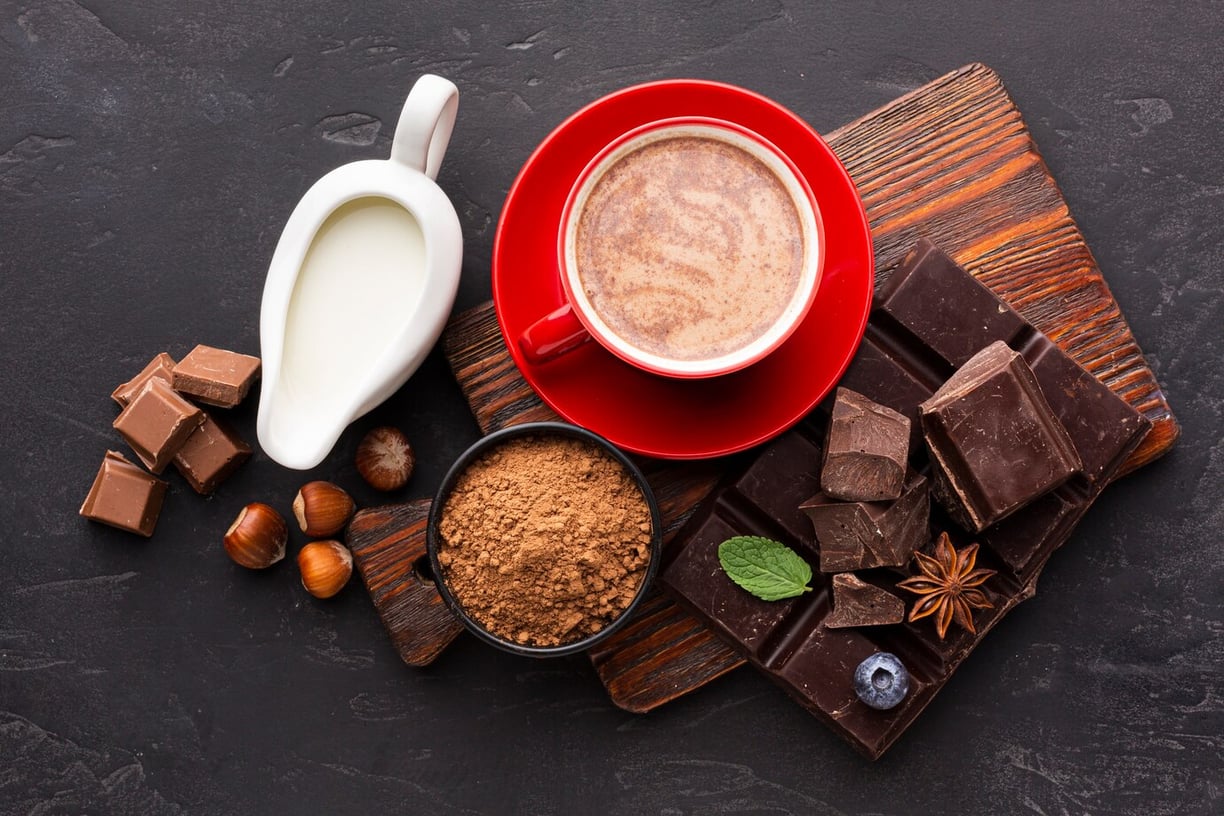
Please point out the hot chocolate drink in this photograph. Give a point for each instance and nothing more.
(688, 246)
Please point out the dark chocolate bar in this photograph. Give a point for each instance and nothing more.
(929, 318)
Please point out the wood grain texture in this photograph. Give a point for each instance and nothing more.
(953, 161)
(387, 542)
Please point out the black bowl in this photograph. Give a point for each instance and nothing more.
(448, 483)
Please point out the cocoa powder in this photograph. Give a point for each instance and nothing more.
(544, 540)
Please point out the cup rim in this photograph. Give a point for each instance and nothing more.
(760, 347)
(433, 536)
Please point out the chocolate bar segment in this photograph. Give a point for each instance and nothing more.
(157, 422)
(952, 322)
(124, 496)
(994, 441)
(211, 455)
(215, 376)
(161, 367)
(908, 352)
(866, 450)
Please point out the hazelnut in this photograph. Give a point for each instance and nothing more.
(322, 508)
(257, 537)
(385, 459)
(326, 567)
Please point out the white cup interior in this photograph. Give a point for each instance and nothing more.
(790, 318)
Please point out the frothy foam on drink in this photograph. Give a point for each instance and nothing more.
(689, 247)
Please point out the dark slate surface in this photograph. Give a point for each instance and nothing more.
(149, 154)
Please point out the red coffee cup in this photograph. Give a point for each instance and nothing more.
(688, 247)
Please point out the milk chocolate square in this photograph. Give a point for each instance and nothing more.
(995, 443)
(161, 367)
(157, 422)
(210, 455)
(124, 496)
(866, 450)
(215, 376)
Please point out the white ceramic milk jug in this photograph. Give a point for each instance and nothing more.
(360, 286)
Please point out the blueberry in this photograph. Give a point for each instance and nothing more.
(881, 681)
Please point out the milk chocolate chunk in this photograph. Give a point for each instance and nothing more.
(161, 367)
(215, 376)
(124, 496)
(211, 455)
(866, 450)
(995, 443)
(856, 603)
(157, 422)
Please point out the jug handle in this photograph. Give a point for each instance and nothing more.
(425, 124)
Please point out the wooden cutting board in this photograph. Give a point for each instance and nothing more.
(952, 161)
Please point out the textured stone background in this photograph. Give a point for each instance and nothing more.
(149, 155)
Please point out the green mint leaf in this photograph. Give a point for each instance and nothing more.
(768, 569)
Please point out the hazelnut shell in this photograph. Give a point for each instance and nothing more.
(322, 508)
(385, 458)
(257, 537)
(325, 566)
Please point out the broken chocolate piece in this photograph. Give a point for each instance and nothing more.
(161, 366)
(865, 451)
(210, 455)
(215, 376)
(905, 525)
(157, 422)
(856, 603)
(995, 443)
(846, 531)
(124, 496)
(864, 535)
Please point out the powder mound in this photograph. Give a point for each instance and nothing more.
(544, 540)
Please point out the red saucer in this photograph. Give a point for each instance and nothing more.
(650, 414)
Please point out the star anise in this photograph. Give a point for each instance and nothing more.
(948, 586)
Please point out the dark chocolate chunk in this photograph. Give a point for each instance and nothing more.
(161, 367)
(995, 443)
(856, 603)
(124, 496)
(908, 351)
(215, 376)
(865, 451)
(845, 531)
(157, 422)
(862, 535)
(210, 455)
(905, 525)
